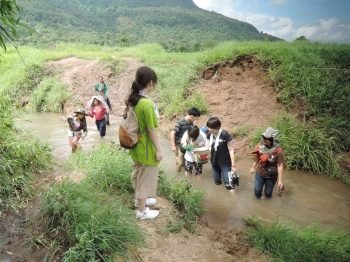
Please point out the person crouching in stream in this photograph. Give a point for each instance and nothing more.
(77, 128)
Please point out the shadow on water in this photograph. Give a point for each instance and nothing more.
(308, 198)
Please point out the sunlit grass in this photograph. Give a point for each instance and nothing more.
(286, 242)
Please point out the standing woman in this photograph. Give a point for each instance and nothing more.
(147, 153)
(77, 128)
(269, 163)
(220, 143)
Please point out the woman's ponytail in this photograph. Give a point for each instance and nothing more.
(144, 75)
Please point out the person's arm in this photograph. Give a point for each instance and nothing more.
(152, 132)
(184, 139)
(91, 112)
(231, 152)
(172, 139)
(280, 174)
(256, 160)
(205, 147)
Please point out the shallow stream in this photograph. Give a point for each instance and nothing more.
(307, 198)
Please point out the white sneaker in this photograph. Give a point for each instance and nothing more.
(149, 202)
(147, 214)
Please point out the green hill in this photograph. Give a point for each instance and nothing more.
(176, 24)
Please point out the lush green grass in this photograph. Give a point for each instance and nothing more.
(94, 225)
(185, 197)
(94, 218)
(21, 154)
(287, 242)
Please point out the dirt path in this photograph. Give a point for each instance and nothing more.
(240, 101)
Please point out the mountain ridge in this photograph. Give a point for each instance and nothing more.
(177, 25)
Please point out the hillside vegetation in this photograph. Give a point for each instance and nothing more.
(178, 25)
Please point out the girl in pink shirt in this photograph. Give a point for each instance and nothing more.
(99, 112)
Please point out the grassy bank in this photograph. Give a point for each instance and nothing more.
(94, 219)
(287, 242)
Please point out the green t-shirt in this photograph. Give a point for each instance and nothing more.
(147, 119)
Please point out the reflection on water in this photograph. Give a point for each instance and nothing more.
(307, 198)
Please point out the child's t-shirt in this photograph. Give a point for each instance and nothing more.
(200, 141)
(99, 112)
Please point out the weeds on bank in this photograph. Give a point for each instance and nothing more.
(21, 154)
(185, 197)
(49, 96)
(93, 224)
(286, 242)
(240, 131)
(93, 217)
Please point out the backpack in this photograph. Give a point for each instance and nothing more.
(129, 129)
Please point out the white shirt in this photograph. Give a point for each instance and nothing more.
(186, 141)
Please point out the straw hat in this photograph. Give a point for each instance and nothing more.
(80, 111)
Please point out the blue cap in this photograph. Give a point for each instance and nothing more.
(204, 129)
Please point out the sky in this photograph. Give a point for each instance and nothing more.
(326, 21)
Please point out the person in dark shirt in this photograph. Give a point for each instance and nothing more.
(220, 144)
(178, 131)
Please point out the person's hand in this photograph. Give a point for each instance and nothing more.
(279, 184)
(159, 156)
(173, 148)
(234, 169)
(251, 170)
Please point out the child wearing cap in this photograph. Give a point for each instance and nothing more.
(77, 128)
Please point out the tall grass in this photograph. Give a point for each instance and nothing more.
(93, 217)
(21, 154)
(49, 96)
(286, 242)
(94, 225)
(185, 197)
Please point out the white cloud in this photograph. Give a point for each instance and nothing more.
(330, 30)
(324, 30)
(278, 2)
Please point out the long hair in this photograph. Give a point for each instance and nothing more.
(144, 75)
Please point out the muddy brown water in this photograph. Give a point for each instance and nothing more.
(308, 198)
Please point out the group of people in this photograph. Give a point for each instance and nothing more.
(268, 155)
(99, 107)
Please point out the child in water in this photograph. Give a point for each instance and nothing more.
(99, 112)
(195, 137)
(77, 128)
